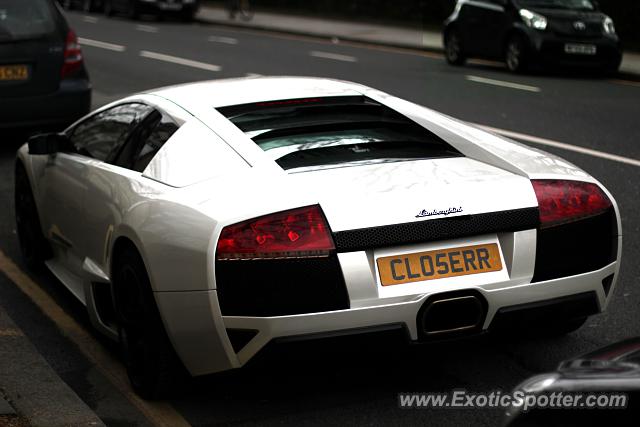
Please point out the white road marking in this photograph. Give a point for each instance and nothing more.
(90, 19)
(562, 145)
(333, 56)
(101, 45)
(147, 28)
(179, 61)
(225, 40)
(501, 83)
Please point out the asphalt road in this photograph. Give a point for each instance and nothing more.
(350, 381)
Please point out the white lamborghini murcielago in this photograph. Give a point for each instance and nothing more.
(200, 222)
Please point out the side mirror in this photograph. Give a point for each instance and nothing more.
(48, 143)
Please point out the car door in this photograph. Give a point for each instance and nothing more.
(483, 23)
(65, 183)
(492, 22)
(117, 184)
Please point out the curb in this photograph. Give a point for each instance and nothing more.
(235, 25)
(32, 387)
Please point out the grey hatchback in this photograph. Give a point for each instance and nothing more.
(44, 84)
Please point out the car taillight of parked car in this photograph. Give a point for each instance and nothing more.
(561, 202)
(297, 233)
(72, 55)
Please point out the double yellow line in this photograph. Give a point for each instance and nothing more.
(158, 413)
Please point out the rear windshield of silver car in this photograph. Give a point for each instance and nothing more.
(329, 131)
(25, 19)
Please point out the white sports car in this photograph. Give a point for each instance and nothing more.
(197, 223)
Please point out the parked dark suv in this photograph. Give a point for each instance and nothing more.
(43, 81)
(528, 32)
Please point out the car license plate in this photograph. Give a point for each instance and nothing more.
(170, 6)
(438, 264)
(580, 49)
(14, 72)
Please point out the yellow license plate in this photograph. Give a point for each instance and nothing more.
(431, 265)
(14, 72)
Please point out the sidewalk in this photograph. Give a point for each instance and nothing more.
(354, 31)
(30, 386)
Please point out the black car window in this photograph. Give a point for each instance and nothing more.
(161, 132)
(146, 141)
(102, 135)
(560, 4)
(312, 132)
(25, 19)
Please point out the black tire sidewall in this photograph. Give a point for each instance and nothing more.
(523, 57)
(151, 363)
(460, 59)
(33, 245)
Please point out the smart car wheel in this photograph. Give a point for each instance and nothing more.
(108, 8)
(33, 245)
(516, 54)
(453, 49)
(132, 11)
(152, 365)
(87, 6)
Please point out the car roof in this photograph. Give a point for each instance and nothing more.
(227, 92)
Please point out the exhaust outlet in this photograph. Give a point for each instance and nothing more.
(452, 315)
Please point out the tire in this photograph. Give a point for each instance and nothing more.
(87, 6)
(188, 16)
(516, 54)
(108, 8)
(454, 52)
(132, 12)
(611, 70)
(34, 247)
(152, 365)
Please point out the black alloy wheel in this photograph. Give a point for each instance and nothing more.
(34, 247)
(152, 365)
(453, 48)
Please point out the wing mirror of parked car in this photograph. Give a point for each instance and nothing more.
(48, 143)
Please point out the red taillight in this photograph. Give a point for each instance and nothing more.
(72, 55)
(566, 201)
(298, 233)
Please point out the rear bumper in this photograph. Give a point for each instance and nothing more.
(200, 334)
(549, 49)
(164, 6)
(52, 111)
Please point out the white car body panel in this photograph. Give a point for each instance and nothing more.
(210, 175)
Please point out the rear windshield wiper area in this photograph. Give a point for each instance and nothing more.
(384, 151)
(335, 130)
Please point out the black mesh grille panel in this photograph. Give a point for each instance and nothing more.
(567, 28)
(436, 229)
(576, 248)
(280, 287)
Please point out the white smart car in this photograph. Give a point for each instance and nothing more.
(199, 222)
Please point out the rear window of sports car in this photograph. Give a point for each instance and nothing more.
(318, 132)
